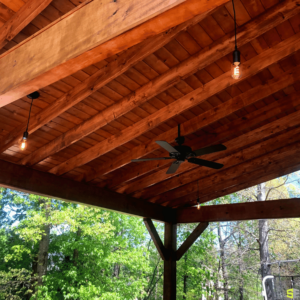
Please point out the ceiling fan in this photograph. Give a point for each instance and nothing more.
(182, 153)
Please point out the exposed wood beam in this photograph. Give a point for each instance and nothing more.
(82, 52)
(248, 164)
(239, 149)
(169, 289)
(112, 70)
(190, 240)
(276, 209)
(14, 5)
(237, 184)
(21, 19)
(156, 238)
(32, 181)
(219, 134)
(198, 61)
(252, 67)
(242, 141)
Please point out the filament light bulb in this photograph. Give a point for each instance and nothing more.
(23, 143)
(236, 68)
(198, 203)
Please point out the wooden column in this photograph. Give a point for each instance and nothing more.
(170, 262)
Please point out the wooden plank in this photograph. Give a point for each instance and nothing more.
(32, 181)
(191, 240)
(246, 165)
(156, 238)
(206, 56)
(14, 5)
(21, 19)
(79, 53)
(169, 289)
(276, 209)
(109, 72)
(238, 150)
(252, 67)
(127, 181)
(242, 182)
(209, 117)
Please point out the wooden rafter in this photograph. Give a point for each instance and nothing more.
(21, 19)
(67, 62)
(253, 66)
(227, 187)
(114, 69)
(124, 181)
(277, 209)
(274, 157)
(225, 109)
(200, 60)
(125, 61)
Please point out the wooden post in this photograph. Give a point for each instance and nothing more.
(170, 262)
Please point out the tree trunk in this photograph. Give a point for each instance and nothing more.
(263, 241)
(185, 277)
(42, 264)
(75, 252)
(223, 266)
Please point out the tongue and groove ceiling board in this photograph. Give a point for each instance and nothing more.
(90, 122)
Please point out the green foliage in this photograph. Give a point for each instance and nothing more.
(97, 254)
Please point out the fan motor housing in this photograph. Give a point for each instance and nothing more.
(184, 152)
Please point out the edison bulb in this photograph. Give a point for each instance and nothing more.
(198, 206)
(236, 70)
(23, 144)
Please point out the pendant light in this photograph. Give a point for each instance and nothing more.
(23, 143)
(236, 68)
(198, 199)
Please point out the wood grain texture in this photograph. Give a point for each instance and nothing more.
(174, 75)
(251, 67)
(36, 182)
(156, 238)
(113, 69)
(21, 19)
(277, 209)
(15, 88)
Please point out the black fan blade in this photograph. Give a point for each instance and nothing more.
(150, 159)
(174, 167)
(205, 163)
(166, 146)
(210, 149)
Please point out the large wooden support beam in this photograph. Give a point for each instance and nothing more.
(32, 181)
(190, 240)
(276, 209)
(21, 19)
(156, 238)
(55, 54)
(208, 55)
(170, 263)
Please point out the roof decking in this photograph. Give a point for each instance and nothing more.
(131, 99)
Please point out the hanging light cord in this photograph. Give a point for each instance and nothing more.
(234, 24)
(29, 115)
(198, 189)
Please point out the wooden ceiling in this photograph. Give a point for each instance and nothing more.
(90, 125)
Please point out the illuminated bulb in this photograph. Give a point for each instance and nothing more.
(198, 204)
(236, 69)
(23, 143)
